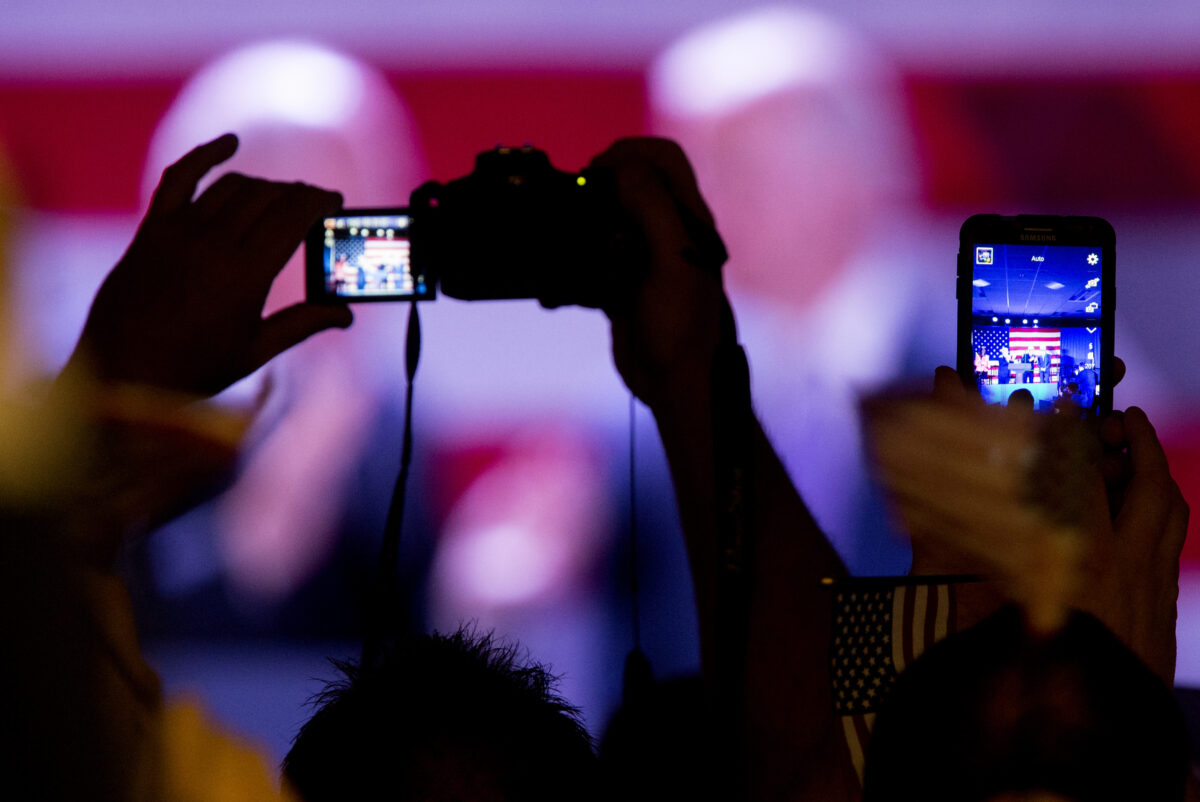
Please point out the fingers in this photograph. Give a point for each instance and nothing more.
(947, 385)
(218, 196)
(267, 216)
(1150, 495)
(239, 207)
(656, 184)
(1177, 523)
(236, 217)
(179, 180)
(1114, 462)
(1112, 430)
(669, 158)
(644, 194)
(981, 456)
(293, 325)
(1145, 451)
(1118, 367)
(195, 324)
(263, 221)
(272, 237)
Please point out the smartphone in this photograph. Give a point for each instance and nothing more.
(364, 255)
(1036, 296)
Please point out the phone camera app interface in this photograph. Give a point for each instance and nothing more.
(1036, 325)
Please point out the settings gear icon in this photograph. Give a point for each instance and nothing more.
(1092, 259)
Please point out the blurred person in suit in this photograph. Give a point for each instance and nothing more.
(796, 128)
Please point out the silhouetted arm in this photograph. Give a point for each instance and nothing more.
(180, 316)
(757, 556)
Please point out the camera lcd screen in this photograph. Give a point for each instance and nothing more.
(1036, 313)
(368, 257)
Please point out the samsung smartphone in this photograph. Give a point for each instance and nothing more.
(364, 255)
(1036, 296)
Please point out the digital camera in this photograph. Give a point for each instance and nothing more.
(515, 227)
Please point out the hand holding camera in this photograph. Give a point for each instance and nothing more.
(630, 234)
(667, 329)
(182, 310)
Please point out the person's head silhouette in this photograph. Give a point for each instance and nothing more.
(440, 717)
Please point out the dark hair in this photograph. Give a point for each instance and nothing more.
(1021, 398)
(993, 709)
(442, 717)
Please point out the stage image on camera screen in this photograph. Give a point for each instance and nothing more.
(1035, 314)
(369, 257)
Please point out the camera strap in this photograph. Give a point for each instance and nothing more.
(384, 612)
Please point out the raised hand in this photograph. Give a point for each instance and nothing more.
(764, 654)
(1132, 574)
(666, 331)
(182, 310)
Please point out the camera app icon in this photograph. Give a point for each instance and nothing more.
(983, 255)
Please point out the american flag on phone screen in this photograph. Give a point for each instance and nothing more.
(1018, 341)
(390, 252)
(880, 627)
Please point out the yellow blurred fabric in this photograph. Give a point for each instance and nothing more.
(174, 750)
(202, 761)
(95, 460)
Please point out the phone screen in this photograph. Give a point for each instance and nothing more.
(1037, 323)
(365, 256)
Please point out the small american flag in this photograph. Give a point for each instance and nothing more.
(879, 627)
(390, 252)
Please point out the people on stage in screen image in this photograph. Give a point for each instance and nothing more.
(1071, 393)
(1088, 382)
(340, 275)
(1039, 325)
(983, 367)
(1006, 357)
(1003, 374)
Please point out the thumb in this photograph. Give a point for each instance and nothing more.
(293, 325)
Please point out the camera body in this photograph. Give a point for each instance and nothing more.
(515, 227)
